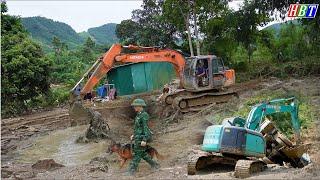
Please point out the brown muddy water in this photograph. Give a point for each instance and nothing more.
(61, 146)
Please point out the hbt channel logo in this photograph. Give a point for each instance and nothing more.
(303, 10)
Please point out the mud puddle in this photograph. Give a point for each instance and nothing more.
(61, 146)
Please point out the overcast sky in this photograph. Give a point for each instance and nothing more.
(81, 15)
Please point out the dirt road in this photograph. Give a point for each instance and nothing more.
(21, 137)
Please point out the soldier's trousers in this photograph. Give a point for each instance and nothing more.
(139, 153)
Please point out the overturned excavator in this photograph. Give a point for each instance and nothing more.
(249, 144)
(203, 79)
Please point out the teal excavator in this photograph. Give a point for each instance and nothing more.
(249, 144)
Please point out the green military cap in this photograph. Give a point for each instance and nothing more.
(138, 102)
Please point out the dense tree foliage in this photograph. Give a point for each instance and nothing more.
(128, 32)
(223, 31)
(69, 65)
(24, 68)
(147, 27)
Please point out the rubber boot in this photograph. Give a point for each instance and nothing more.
(131, 171)
(155, 167)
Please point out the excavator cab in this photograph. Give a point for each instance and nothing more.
(206, 73)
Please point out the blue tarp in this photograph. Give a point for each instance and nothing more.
(102, 91)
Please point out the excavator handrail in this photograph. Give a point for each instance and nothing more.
(85, 74)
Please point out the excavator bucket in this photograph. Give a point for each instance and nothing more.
(295, 152)
(282, 147)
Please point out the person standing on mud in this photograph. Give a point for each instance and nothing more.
(140, 136)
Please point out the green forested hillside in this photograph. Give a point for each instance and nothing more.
(85, 35)
(278, 26)
(43, 30)
(104, 34)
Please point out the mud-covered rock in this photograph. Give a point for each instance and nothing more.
(82, 139)
(6, 173)
(98, 128)
(47, 165)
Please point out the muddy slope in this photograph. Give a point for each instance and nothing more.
(174, 137)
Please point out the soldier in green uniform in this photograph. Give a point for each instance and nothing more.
(141, 136)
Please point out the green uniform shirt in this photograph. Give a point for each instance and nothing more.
(141, 129)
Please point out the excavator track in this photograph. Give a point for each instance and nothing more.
(244, 168)
(193, 160)
(201, 100)
(197, 102)
(192, 166)
(200, 159)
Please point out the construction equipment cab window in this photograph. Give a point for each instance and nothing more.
(217, 66)
(202, 72)
(218, 72)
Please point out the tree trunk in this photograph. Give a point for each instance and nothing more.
(187, 24)
(189, 35)
(196, 28)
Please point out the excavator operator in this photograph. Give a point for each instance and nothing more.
(200, 73)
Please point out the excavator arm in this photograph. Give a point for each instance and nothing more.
(257, 113)
(146, 54)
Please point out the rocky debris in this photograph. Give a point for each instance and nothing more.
(99, 164)
(17, 171)
(46, 165)
(24, 175)
(103, 168)
(312, 170)
(7, 146)
(173, 172)
(5, 173)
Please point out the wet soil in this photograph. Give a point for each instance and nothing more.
(27, 140)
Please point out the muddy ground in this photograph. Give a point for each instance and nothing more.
(52, 135)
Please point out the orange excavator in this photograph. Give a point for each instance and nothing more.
(203, 79)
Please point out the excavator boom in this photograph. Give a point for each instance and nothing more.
(257, 113)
